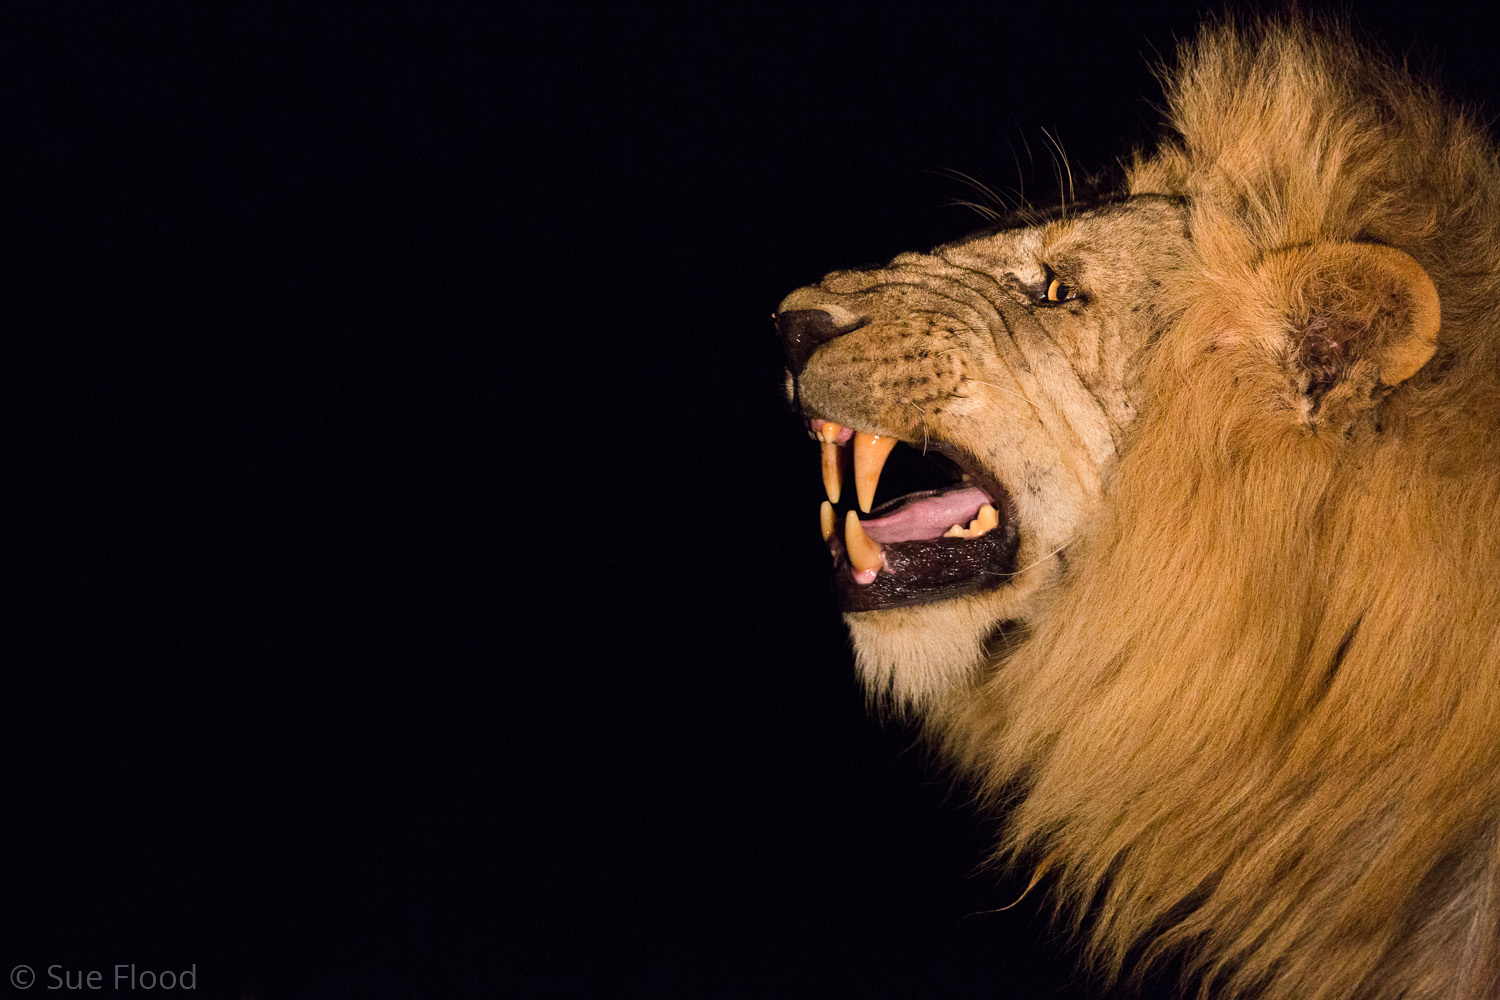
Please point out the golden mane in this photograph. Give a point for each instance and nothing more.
(1260, 725)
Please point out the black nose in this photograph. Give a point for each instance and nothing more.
(803, 331)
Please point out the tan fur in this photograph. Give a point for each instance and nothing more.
(1253, 719)
(1259, 724)
(953, 347)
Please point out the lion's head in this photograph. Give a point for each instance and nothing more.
(1005, 369)
(1229, 643)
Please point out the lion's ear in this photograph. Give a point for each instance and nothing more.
(1358, 311)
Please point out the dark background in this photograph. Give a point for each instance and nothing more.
(419, 593)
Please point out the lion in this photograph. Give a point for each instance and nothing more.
(1204, 598)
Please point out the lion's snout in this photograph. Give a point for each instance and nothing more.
(804, 325)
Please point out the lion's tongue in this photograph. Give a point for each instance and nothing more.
(929, 517)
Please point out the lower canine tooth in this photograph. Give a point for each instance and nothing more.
(870, 453)
(833, 476)
(864, 552)
(825, 517)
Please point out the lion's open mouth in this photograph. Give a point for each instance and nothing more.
(947, 528)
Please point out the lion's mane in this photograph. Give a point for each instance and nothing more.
(1260, 725)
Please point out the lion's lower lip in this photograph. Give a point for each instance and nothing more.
(917, 563)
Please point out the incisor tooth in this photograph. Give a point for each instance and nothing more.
(864, 552)
(870, 453)
(833, 475)
(825, 517)
(830, 431)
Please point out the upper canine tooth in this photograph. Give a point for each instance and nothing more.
(864, 551)
(825, 519)
(870, 453)
(833, 473)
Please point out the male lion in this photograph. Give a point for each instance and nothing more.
(1211, 597)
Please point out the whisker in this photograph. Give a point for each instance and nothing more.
(983, 211)
(1044, 558)
(1029, 565)
(914, 406)
(1020, 174)
(979, 186)
(1066, 166)
(1002, 389)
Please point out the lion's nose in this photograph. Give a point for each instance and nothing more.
(803, 331)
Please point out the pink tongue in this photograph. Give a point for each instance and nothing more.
(927, 519)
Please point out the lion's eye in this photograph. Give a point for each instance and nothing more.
(1059, 292)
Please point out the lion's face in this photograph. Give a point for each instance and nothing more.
(1000, 375)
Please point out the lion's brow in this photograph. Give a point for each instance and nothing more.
(1030, 218)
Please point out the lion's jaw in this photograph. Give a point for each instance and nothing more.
(1016, 355)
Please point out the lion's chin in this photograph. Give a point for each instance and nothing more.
(913, 659)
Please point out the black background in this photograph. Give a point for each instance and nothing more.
(418, 593)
